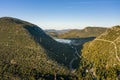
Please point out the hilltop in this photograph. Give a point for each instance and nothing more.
(87, 32)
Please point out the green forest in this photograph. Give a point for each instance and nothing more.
(28, 53)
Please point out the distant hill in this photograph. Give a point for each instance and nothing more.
(101, 57)
(87, 32)
(55, 33)
(28, 53)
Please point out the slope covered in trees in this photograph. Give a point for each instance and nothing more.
(26, 52)
(102, 55)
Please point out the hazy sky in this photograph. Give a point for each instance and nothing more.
(63, 14)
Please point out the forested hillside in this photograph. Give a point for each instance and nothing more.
(26, 52)
(103, 55)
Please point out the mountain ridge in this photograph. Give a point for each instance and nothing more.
(79, 33)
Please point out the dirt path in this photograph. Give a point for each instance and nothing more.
(115, 46)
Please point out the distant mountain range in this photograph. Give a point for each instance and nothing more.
(77, 33)
(57, 31)
(28, 53)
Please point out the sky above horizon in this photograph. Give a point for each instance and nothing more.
(63, 14)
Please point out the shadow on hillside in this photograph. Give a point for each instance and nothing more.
(78, 43)
(62, 53)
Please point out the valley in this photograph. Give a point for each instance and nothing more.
(59, 40)
(29, 53)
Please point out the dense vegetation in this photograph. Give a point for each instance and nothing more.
(27, 53)
(103, 54)
(26, 46)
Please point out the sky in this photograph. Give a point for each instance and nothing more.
(63, 14)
